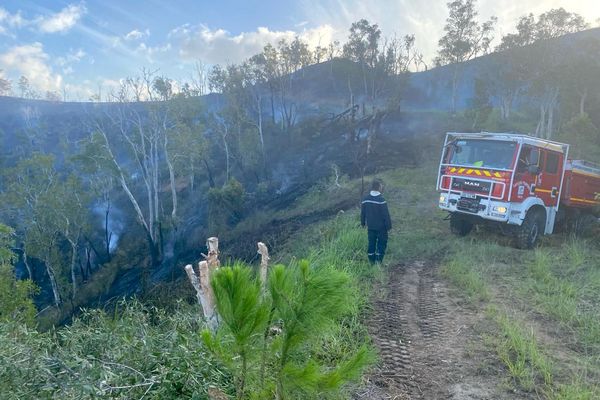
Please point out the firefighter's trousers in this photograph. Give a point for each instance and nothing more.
(377, 245)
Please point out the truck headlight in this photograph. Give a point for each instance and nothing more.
(443, 198)
(499, 209)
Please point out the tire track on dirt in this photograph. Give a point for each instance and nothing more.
(423, 336)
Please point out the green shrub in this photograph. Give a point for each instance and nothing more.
(226, 205)
(15, 296)
(271, 334)
(132, 352)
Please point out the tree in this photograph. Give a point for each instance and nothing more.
(582, 66)
(480, 106)
(541, 60)
(584, 136)
(24, 86)
(27, 92)
(558, 22)
(148, 131)
(15, 296)
(5, 86)
(100, 173)
(53, 96)
(363, 47)
(30, 188)
(263, 334)
(465, 38)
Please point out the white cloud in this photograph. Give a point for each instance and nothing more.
(32, 62)
(61, 21)
(74, 56)
(137, 35)
(9, 21)
(66, 62)
(150, 53)
(219, 46)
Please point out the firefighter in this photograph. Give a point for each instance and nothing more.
(374, 214)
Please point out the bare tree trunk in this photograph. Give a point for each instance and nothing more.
(211, 180)
(541, 126)
(365, 79)
(550, 125)
(260, 133)
(156, 178)
(505, 106)
(53, 284)
(172, 182)
(26, 262)
(582, 100)
(454, 88)
(73, 267)
(264, 265)
(123, 182)
(107, 234)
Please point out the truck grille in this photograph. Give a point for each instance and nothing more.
(469, 205)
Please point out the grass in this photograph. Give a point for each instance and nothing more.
(518, 349)
(563, 283)
(458, 271)
(559, 281)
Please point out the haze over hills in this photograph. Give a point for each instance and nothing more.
(335, 121)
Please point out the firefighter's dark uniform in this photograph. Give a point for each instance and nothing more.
(375, 215)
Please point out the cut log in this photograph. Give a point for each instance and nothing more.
(208, 296)
(264, 264)
(212, 243)
(189, 270)
(201, 282)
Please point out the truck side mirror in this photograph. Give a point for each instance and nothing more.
(534, 169)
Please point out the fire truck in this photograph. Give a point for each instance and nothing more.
(522, 185)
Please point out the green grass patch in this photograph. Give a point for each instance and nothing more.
(519, 351)
(460, 271)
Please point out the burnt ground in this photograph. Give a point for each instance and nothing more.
(430, 346)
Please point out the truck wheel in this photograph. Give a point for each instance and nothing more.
(459, 225)
(530, 230)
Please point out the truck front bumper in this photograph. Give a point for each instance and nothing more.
(478, 206)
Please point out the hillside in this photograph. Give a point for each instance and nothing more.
(450, 317)
(328, 134)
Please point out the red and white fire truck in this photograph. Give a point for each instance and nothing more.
(523, 185)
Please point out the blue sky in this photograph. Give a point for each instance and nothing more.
(82, 47)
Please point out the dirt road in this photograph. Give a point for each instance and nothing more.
(430, 346)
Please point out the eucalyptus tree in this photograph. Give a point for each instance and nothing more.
(48, 209)
(541, 64)
(239, 121)
(15, 295)
(277, 67)
(363, 47)
(93, 162)
(148, 130)
(465, 39)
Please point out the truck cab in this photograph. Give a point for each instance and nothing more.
(512, 181)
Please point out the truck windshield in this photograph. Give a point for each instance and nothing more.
(482, 153)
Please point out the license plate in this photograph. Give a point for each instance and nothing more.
(469, 195)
